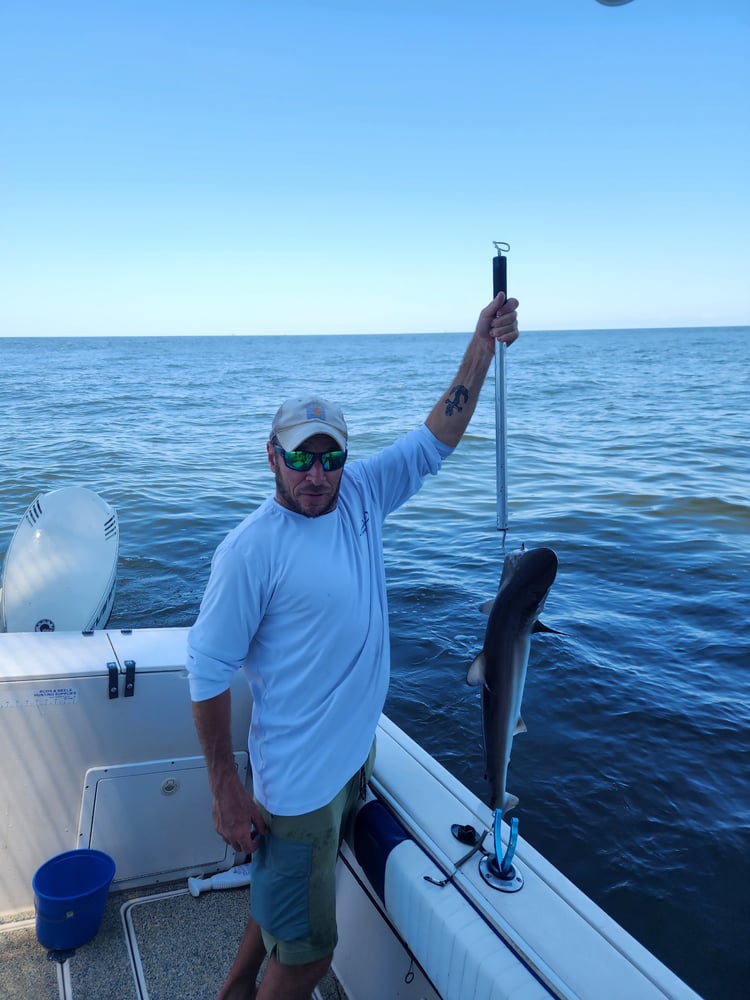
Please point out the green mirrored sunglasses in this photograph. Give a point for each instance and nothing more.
(303, 461)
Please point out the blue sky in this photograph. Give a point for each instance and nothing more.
(241, 167)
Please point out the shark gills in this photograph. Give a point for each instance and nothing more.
(500, 668)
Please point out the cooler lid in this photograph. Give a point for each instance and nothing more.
(48, 655)
(151, 649)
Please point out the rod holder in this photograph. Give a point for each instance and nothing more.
(497, 869)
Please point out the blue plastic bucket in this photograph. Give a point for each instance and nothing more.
(70, 893)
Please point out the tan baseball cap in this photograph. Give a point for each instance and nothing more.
(301, 417)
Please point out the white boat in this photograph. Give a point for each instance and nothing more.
(60, 570)
(99, 726)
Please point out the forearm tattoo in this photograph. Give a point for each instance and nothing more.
(460, 395)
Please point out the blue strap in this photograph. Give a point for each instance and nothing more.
(507, 862)
(507, 859)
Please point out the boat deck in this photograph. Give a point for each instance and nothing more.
(417, 919)
(153, 944)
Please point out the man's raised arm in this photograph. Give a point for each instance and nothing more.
(451, 414)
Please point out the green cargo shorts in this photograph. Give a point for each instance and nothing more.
(293, 893)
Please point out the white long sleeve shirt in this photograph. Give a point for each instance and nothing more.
(300, 604)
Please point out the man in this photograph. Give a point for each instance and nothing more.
(297, 599)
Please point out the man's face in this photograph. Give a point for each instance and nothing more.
(310, 493)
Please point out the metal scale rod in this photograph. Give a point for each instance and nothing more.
(500, 284)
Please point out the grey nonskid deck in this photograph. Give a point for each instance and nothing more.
(157, 944)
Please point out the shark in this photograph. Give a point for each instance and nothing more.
(500, 668)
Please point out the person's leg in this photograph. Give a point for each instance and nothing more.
(240, 983)
(291, 982)
(294, 892)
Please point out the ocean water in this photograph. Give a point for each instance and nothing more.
(627, 453)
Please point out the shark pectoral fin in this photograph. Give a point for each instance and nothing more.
(487, 606)
(520, 727)
(511, 801)
(477, 670)
(541, 627)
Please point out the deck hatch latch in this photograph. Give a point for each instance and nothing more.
(113, 682)
(129, 678)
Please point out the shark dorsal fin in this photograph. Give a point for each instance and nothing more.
(487, 607)
(520, 727)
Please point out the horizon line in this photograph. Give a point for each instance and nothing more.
(403, 333)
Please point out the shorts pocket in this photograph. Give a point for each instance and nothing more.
(281, 887)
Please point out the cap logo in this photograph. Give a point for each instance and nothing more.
(315, 412)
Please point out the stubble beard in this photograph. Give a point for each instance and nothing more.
(284, 495)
